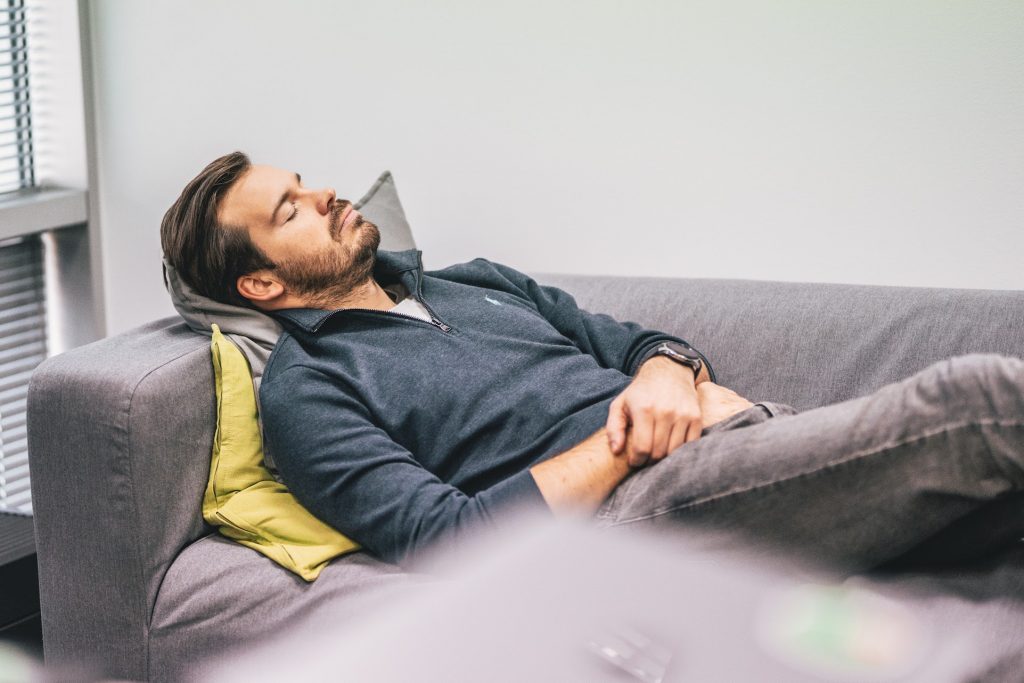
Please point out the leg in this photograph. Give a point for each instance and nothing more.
(853, 484)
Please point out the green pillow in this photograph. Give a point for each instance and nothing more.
(242, 499)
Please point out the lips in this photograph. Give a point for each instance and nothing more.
(349, 216)
(342, 214)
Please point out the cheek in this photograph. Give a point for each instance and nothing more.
(296, 241)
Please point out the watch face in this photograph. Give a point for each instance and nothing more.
(683, 350)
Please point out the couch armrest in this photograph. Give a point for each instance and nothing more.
(119, 435)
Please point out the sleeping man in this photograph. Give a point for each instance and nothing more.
(408, 408)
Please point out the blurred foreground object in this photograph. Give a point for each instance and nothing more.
(564, 601)
(16, 666)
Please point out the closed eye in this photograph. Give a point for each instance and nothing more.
(294, 213)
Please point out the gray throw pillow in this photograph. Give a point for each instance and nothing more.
(255, 333)
(381, 206)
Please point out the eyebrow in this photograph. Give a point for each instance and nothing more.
(283, 199)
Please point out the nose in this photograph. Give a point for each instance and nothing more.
(326, 200)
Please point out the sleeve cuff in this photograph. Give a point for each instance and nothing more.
(645, 352)
(519, 491)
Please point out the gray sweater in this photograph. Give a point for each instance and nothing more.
(402, 433)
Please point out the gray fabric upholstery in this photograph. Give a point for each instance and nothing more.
(219, 595)
(120, 434)
(117, 432)
(120, 439)
(809, 344)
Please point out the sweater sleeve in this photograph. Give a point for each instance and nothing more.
(619, 345)
(349, 473)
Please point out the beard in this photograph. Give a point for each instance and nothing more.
(333, 275)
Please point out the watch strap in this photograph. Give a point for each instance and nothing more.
(663, 349)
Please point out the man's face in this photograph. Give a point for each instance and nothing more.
(320, 245)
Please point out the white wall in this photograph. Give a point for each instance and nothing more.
(870, 142)
(56, 82)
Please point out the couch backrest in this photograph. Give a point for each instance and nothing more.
(810, 344)
(119, 441)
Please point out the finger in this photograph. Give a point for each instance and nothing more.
(642, 437)
(661, 436)
(694, 429)
(616, 426)
(678, 437)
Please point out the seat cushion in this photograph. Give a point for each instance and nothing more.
(219, 595)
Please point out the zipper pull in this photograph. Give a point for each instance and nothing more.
(438, 323)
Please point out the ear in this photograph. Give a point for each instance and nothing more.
(261, 288)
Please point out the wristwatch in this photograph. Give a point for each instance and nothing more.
(680, 353)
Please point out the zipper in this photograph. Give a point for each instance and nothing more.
(433, 319)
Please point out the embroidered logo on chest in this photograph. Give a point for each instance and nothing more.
(493, 301)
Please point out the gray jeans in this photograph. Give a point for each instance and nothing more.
(855, 484)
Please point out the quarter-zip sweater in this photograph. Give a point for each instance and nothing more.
(402, 433)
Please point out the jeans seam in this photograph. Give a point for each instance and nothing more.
(853, 457)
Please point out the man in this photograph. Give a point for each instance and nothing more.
(407, 408)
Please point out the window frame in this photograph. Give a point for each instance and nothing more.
(17, 113)
(60, 216)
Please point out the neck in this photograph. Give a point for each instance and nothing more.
(367, 295)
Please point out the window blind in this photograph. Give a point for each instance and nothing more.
(22, 348)
(16, 163)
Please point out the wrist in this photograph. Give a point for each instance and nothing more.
(702, 376)
(665, 364)
(581, 478)
(683, 354)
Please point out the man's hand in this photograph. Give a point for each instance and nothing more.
(718, 403)
(660, 407)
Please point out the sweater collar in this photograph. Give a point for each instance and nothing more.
(390, 265)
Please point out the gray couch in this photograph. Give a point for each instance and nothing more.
(135, 585)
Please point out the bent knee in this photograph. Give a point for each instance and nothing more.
(985, 369)
(990, 384)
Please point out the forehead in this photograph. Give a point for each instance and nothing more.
(251, 200)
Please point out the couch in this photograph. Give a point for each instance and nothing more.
(134, 585)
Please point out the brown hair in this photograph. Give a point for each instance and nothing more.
(209, 255)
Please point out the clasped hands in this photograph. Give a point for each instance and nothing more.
(663, 408)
